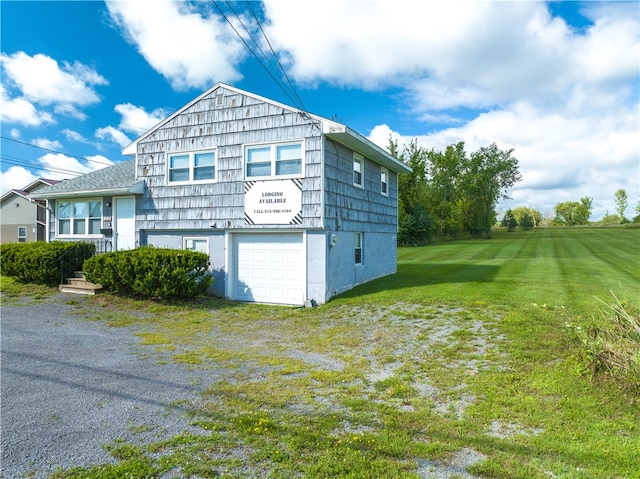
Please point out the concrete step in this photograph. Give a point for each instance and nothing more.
(78, 284)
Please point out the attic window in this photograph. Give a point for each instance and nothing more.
(219, 100)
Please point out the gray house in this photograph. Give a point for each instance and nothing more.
(289, 206)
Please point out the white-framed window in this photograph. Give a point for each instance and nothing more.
(359, 248)
(79, 217)
(358, 170)
(191, 167)
(196, 243)
(384, 181)
(22, 234)
(276, 160)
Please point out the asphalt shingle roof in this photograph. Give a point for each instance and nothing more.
(120, 176)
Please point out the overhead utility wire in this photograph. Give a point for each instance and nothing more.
(291, 98)
(264, 34)
(14, 161)
(55, 151)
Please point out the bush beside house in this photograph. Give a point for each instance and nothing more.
(151, 272)
(40, 263)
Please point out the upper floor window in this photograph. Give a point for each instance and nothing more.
(79, 217)
(199, 166)
(265, 161)
(358, 164)
(384, 181)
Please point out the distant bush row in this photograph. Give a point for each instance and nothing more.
(151, 272)
(41, 263)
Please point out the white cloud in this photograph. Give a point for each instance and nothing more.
(14, 133)
(187, 48)
(74, 135)
(112, 134)
(42, 79)
(47, 144)
(15, 178)
(136, 119)
(21, 111)
(561, 157)
(55, 166)
(58, 166)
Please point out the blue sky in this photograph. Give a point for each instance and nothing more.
(558, 82)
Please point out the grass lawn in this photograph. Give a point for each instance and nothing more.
(458, 366)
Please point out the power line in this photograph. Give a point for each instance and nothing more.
(293, 99)
(55, 151)
(264, 34)
(15, 161)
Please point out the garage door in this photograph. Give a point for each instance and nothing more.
(269, 268)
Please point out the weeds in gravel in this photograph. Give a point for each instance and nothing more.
(468, 373)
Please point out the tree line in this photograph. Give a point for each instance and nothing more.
(450, 192)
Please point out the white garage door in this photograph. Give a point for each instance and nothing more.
(269, 268)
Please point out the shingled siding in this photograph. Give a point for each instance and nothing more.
(224, 120)
(352, 208)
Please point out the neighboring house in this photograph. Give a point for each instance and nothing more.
(289, 206)
(22, 218)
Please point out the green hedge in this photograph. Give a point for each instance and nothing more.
(151, 272)
(40, 262)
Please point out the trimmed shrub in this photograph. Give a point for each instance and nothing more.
(151, 272)
(40, 262)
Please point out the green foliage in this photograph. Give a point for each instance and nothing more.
(611, 347)
(151, 272)
(414, 222)
(622, 201)
(610, 220)
(489, 173)
(509, 221)
(457, 192)
(526, 217)
(40, 263)
(573, 213)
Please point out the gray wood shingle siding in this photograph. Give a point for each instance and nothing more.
(224, 120)
(352, 208)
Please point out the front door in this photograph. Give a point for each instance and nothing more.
(125, 233)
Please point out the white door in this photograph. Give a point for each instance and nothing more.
(268, 268)
(125, 233)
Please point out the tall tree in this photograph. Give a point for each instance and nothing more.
(487, 176)
(572, 213)
(444, 170)
(621, 202)
(520, 212)
(414, 222)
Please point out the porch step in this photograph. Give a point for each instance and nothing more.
(78, 284)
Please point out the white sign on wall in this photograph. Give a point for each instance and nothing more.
(273, 202)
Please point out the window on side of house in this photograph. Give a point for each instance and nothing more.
(359, 250)
(192, 167)
(79, 217)
(200, 244)
(358, 164)
(277, 160)
(384, 181)
(22, 234)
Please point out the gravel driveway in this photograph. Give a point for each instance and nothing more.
(70, 386)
